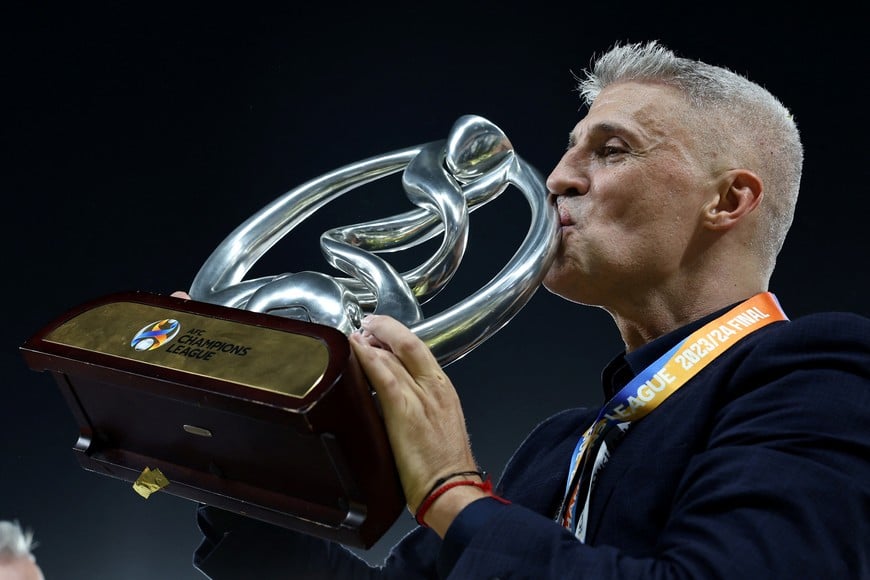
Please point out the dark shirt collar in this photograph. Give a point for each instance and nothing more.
(626, 366)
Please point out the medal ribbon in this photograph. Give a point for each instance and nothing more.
(662, 378)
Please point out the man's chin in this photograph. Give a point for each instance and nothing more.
(558, 286)
(570, 289)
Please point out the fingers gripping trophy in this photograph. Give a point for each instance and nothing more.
(247, 396)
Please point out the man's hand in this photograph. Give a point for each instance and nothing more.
(422, 412)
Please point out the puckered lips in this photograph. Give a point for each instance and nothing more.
(565, 219)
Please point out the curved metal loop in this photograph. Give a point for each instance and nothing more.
(446, 180)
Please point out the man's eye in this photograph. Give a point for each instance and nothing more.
(610, 151)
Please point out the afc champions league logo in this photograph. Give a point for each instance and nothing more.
(155, 334)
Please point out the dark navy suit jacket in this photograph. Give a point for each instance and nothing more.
(759, 467)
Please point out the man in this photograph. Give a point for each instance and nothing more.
(733, 443)
(16, 557)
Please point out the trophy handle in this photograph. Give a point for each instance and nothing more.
(446, 180)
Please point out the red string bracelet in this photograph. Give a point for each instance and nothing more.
(442, 480)
(485, 485)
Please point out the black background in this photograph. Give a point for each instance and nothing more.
(137, 136)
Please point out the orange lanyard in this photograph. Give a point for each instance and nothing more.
(663, 378)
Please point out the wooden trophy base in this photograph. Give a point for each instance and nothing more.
(260, 415)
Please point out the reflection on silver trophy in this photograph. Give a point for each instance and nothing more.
(446, 180)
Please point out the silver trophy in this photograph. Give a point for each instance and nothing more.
(446, 179)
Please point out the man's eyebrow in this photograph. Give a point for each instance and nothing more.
(599, 129)
(606, 127)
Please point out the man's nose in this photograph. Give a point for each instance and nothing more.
(567, 178)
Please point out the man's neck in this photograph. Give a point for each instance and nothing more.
(659, 313)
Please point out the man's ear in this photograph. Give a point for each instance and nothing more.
(740, 192)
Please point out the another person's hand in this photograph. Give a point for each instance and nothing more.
(181, 294)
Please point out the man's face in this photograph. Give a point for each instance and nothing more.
(629, 190)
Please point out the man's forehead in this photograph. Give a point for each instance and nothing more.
(636, 99)
(633, 106)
